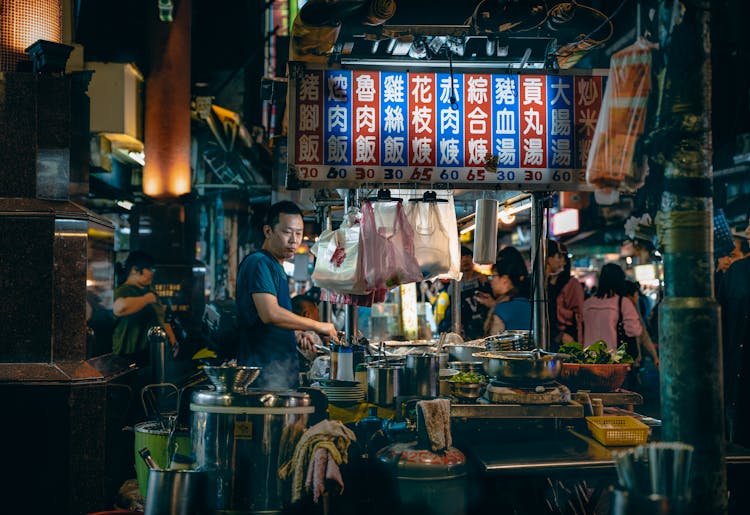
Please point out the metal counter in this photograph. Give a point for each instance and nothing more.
(567, 451)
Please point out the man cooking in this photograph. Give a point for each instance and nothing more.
(267, 324)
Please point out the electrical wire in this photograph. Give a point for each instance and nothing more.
(585, 42)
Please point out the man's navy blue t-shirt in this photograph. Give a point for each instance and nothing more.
(261, 344)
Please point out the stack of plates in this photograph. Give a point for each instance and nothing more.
(342, 392)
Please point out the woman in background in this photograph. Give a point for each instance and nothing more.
(602, 311)
(632, 291)
(510, 281)
(137, 309)
(565, 297)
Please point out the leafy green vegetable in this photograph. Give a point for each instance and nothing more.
(467, 377)
(595, 354)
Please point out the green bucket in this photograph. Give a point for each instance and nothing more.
(152, 436)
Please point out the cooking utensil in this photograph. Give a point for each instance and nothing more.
(463, 352)
(385, 383)
(422, 373)
(536, 366)
(233, 378)
(467, 391)
(468, 366)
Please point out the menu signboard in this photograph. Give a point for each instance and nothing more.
(474, 129)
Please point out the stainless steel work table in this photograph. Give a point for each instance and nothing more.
(567, 452)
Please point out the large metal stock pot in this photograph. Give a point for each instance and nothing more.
(536, 366)
(241, 440)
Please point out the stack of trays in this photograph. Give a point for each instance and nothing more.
(342, 392)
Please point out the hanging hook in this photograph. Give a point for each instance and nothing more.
(452, 99)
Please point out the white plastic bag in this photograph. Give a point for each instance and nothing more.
(338, 264)
(388, 246)
(436, 244)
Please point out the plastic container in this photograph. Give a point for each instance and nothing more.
(618, 430)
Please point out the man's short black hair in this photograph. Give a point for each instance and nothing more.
(466, 251)
(286, 207)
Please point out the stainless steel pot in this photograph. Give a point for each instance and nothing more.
(422, 374)
(523, 367)
(462, 352)
(475, 366)
(240, 440)
(385, 383)
(176, 492)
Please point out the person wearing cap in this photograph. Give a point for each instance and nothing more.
(565, 297)
(264, 307)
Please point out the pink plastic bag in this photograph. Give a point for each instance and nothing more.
(388, 246)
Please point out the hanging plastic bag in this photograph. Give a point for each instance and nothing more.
(436, 244)
(338, 264)
(388, 246)
(610, 165)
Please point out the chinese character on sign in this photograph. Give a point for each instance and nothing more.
(561, 154)
(420, 119)
(422, 149)
(477, 121)
(422, 90)
(446, 91)
(308, 148)
(365, 88)
(365, 118)
(505, 122)
(309, 89)
(477, 151)
(309, 117)
(476, 91)
(394, 150)
(505, 91)
(365, 146)
(588, 92)
(506, 151)
(394, 89)
(449, 121)
(533, 89)
(449, 152)
(532, 122)
(394, 119)
(561, 122)
(588, 120)
(337, 86)
(560, 93)
(337, 149)
(337, 117)
(534, 152)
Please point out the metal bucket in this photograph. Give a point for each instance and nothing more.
(176, 492)
(422, 374)
(156, 439)
(385, 383)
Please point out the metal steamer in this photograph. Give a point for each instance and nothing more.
(241, 438)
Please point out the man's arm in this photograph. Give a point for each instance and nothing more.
(128, 305)
(270, 312)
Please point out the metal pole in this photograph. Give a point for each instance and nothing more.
(350, 312)
(326, 314)
(456, 307)
(689, 331)
(540, 322)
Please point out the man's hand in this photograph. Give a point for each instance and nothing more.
(328, 329)
(305, 341)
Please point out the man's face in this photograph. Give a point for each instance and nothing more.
(467, 263)
(283, 238)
